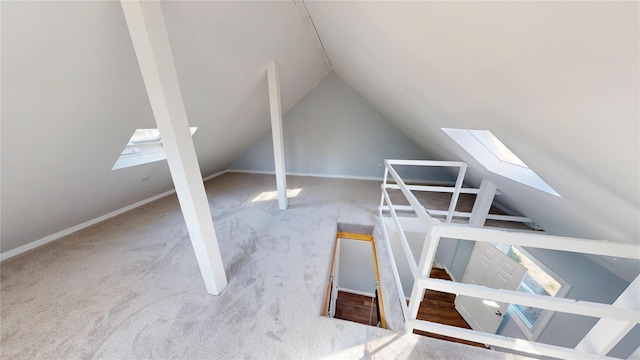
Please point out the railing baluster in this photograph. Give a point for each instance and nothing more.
(435, 230)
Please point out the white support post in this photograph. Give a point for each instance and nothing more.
(606, 333)
(456, 192)
(151, 44)
(483, 203)
(273, 77)
(384, 183)
(432, 239)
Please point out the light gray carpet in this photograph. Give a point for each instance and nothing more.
(130, 287)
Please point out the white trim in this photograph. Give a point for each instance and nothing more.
(571, 306)
(534, 240)
(357, 292)
(214, 175)
(526, 346)
(336, 176)
(446, 269)
(460, 214)
(47, 239)
(394, 267)
(448, 189)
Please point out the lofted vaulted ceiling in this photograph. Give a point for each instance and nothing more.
(72, 95)
(557, 82)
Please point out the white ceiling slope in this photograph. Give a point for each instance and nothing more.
(72, 95)
(557, 82)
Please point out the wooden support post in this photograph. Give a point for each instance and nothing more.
(151, 44)
(273, 77)
(483, 202)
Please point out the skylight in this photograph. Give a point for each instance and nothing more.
(141, 136)
(144, 146)
(497, 158)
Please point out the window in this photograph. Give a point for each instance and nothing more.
(539, 280)
(497, 158)
(144, 146)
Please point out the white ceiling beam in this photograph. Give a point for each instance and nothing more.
(275, 104)
(151, 44)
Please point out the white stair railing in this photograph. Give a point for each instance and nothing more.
(616, 319)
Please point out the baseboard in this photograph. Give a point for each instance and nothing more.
(449, 273)
(348, 177)
(215, 175)
(47, 239)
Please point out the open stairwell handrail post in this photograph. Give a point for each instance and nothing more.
(624, 313)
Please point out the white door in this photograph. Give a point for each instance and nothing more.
(490, 267)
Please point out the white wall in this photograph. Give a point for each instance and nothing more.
(557, 82)
(416, 241)
(335, 131)
(356, 270)
(72, 95)
(454, 255)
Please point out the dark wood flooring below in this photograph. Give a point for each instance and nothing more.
(439, 307)
(356, 308)
(436, 306)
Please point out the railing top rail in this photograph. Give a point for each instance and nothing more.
(542, 241)
(403, 239)
(426, 163)
(429, 188)
(420, 211)
(526, 346)
(566, 305)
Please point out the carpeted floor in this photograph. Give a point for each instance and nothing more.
(130, 287)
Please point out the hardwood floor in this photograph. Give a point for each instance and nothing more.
(436, 306)
(356, 308)
(439, 307)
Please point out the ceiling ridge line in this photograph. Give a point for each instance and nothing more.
(313, 31)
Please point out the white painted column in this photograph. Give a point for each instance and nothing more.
(273, 77)
(432, 239)
(151, 44)
(456, 193)
(483, 203)
(606, 333)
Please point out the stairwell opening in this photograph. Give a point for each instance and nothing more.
(353, 291)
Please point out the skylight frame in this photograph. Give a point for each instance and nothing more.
(145, 140)
(497, 158)
(144, 151)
